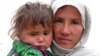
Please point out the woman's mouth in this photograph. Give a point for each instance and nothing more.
(64, 40)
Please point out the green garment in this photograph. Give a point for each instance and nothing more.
(22, 49)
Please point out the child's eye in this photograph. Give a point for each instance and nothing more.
(46, 32)
(33, 34)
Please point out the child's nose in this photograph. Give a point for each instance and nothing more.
(41, 39)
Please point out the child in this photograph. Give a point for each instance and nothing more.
(32, 30)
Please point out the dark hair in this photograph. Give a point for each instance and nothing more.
(31, 14)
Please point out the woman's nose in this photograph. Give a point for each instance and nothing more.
(65, 30)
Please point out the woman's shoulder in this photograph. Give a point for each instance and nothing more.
(86, 52)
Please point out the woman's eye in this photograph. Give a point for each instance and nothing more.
(58, 20)
(76, 22)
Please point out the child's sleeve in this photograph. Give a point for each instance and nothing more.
(22, 49)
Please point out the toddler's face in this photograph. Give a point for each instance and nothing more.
(37, 36)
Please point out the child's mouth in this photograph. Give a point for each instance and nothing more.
(41, 47)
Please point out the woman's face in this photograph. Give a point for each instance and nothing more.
(68, 27)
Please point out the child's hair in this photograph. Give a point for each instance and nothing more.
(29, 15)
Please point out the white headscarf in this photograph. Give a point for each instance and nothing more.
(86, 21)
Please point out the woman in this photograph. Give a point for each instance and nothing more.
(71, 28)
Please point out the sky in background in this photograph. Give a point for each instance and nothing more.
(9, 7)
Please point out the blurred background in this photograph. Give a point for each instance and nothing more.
(9, 7)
